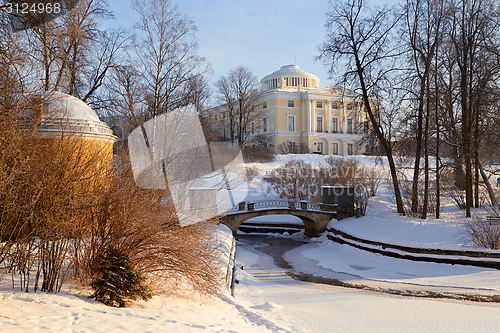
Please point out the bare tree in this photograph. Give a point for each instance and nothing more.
(107, 45)
(363, 38)
(238, 94)
(167, 54)
(473, 38)
(424, 21)
(62, 47)
(126, 95)
(226, 97)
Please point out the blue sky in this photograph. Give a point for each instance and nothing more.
(262, 35)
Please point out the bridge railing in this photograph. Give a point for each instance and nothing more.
(267, 204)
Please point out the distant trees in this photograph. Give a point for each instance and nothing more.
(444, 63)
(364, 39)
(237, 93)
(166, 53)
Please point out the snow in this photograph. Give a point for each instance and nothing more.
(303, 307)
(267, 299)
(270, 219)
(358, 266)
(383, 223)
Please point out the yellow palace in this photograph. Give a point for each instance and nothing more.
(293, 110)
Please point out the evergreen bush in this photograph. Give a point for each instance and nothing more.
(117, 281)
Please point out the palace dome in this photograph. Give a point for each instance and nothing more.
(290, 76)
(63, 113)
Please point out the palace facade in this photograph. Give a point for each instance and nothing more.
(292, 110)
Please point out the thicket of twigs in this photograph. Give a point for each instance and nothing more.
(257, 153)
(482, 232)
(299, 180)
(60, 209)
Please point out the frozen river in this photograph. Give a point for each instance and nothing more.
(282, 303)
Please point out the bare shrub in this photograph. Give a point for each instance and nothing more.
(457, 195)
(373, 180)
(144, 225)
(341, 171)
(295, 180)
(257, 154)
(360, 201)
(61, 208)
(292, 148)
(482, 233)
(251, 173)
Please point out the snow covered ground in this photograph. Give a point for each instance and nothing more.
(267, 299)
(383, 223)
(305, 307)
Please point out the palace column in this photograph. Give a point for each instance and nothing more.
(359, 126)
(328, 120)
(303, 116)
(308, 115)
(313, 114)
(344, 117)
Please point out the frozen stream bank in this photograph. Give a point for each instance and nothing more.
(270, 292)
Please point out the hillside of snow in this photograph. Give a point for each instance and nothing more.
(267, 299)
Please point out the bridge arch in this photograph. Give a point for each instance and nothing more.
(315, 222)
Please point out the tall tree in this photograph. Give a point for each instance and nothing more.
(63, 48)
(167, 55)
(424, 21)
(474, 37)
(362, 37)
(237, 92)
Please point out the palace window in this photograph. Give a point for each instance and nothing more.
(215, 117)
(291, 104)
(335, 125)
(335, 148)
(264, 105)
(319, 124)
(291, 123)
(252, 128)
(264, 124)
(350, 149)
(319, 147)
(319, 105)
(349, 126)
(335, 106)
(349, 107)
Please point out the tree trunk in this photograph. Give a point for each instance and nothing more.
(491, 193)
(418, 150)
(437, 164)
(476, 159)
(426, 151)
(381, 137)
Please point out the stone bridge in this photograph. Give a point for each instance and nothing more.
(315, 217)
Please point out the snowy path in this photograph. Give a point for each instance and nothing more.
(305, 307)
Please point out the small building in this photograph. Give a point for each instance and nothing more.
(71, 124)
